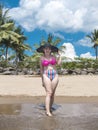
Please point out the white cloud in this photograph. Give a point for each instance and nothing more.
(30, 4)
(69, 52)
(85, 42)
(57, 15)
(87, 55)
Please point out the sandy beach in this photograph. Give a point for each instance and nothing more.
(71, 87)
(32, 86)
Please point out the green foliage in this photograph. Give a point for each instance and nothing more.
(81, 63)
(4, 64)
(11, 38)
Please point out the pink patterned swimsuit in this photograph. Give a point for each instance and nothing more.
(49, 73)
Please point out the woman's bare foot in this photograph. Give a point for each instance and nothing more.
(49, 114)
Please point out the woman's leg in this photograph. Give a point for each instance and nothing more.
(48, 88)
(54, 86)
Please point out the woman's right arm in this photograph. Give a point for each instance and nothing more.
(41, 70)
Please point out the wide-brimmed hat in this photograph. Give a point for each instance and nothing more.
(53, 48)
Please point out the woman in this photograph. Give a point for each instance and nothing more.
(48, 73)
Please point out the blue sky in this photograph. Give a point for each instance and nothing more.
(70, 20)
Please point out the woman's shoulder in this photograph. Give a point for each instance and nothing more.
(42, 58)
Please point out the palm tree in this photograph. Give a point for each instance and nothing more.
(3, 15)
(21, 47)
(7, 35)
(52, 40)
(55, 41)
(94, 39)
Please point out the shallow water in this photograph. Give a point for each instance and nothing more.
(67, 116)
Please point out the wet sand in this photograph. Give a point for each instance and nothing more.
(31, 116)
(40, 99)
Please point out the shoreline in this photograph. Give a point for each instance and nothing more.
(41, 99)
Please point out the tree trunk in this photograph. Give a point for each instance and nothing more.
(6, 52)
(16, 61)
(96, 51)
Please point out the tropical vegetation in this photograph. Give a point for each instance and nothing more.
(11, 39)
(13, 47)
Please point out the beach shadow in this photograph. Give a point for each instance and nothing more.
(54, 107)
